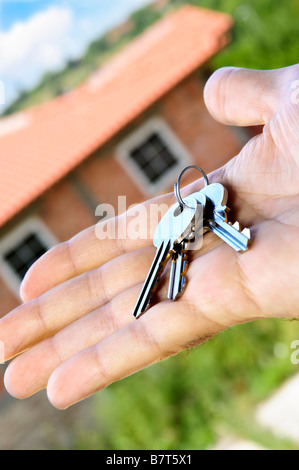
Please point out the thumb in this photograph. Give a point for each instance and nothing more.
(244, 97)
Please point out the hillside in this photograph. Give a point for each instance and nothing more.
(265, 36)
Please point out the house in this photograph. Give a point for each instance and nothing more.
(127, 130)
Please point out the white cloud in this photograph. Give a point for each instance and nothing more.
(49, 38)
(29, 49)
(23, 45)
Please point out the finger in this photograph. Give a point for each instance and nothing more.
(92, 248)
(162, 332)
(244, 97)
(44, 316)
(29, 373)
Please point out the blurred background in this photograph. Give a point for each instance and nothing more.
(98, 101)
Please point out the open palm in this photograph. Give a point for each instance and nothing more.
(75, 330)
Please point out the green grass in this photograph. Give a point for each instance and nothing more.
(188, 400)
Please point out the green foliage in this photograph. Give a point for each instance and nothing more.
(265, 33)
(265, 36)
(143, 18)
(184, 402)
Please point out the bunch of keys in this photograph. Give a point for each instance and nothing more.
(193, 216)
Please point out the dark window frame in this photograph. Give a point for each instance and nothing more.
(151, 184)
(21, 257)
(154, 157)
(11, 241)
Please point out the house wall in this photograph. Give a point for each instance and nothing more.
(209, 144)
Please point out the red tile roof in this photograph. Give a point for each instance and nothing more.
(41, 145)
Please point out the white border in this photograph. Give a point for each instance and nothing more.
(14, 237)
(158, 125)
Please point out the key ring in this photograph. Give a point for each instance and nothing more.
(177, 191)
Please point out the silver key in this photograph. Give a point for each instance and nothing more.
(178, 271)
(215, 217)
(175, 226)
(179, 264)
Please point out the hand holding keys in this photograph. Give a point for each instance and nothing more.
(179, 227)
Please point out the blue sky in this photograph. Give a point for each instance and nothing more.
(38, 36)
(21, 10)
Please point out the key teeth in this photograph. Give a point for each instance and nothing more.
(247, 233)
(237, 226)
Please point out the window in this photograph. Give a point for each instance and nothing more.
(21, 248)
(153, 156)
(22, 256)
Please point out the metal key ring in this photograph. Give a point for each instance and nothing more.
(177, 191)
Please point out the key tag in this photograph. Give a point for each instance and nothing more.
(177, 191)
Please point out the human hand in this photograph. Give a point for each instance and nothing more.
(75, 333)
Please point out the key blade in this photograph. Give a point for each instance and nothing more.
(237, 240)
(172, 275)
(152, 278)
(183, 279)
(179, 266)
